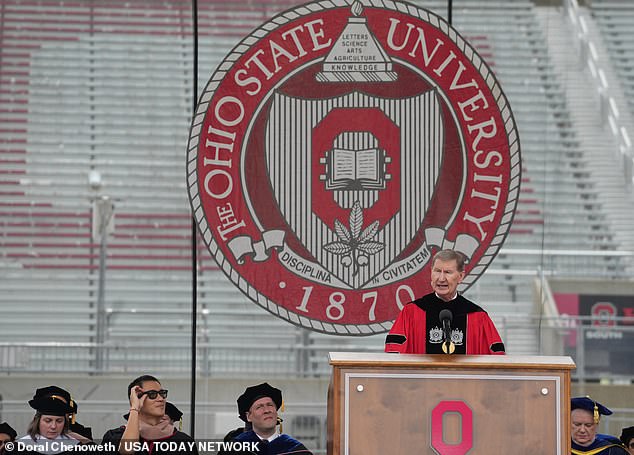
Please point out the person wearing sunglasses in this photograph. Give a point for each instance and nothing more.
(627, 438)
(148, 429)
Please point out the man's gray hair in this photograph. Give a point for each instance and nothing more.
(450, 255)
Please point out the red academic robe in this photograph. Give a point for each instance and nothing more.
(418, 330)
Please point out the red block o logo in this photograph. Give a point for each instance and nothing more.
(466, 417)
(603, 314)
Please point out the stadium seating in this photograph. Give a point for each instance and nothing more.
(107, 89)
(615, 20)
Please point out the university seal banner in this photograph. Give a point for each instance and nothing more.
(337, 147)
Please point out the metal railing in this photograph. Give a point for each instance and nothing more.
(566, 335)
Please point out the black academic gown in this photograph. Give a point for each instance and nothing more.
(148, 447)
(282, 445)
(601, 446)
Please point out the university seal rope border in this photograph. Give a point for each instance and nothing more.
(435, 236)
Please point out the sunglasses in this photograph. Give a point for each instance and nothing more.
(152, 394)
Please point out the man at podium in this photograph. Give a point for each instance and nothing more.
(444, 322)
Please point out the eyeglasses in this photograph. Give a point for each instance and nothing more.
(152, 394)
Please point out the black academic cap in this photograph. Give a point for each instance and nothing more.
(173, 412)
(627, 434)
(589, 405)
(8, 430)
(51, 400)
(254, 393)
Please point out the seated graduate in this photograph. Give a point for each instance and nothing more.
(148, 430)
(49, 430)
(627, 438)
(258, 407)
(7, 434)
(585, 414)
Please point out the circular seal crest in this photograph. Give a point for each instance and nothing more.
(336, 147)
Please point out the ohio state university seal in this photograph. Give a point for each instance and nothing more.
(336, 148)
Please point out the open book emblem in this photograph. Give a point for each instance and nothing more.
(350, 169)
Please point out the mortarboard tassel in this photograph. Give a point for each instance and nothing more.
(595, 410)
(279, 419)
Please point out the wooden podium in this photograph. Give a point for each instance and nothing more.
(448, 405)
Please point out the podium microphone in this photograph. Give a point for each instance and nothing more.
(446, 316)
